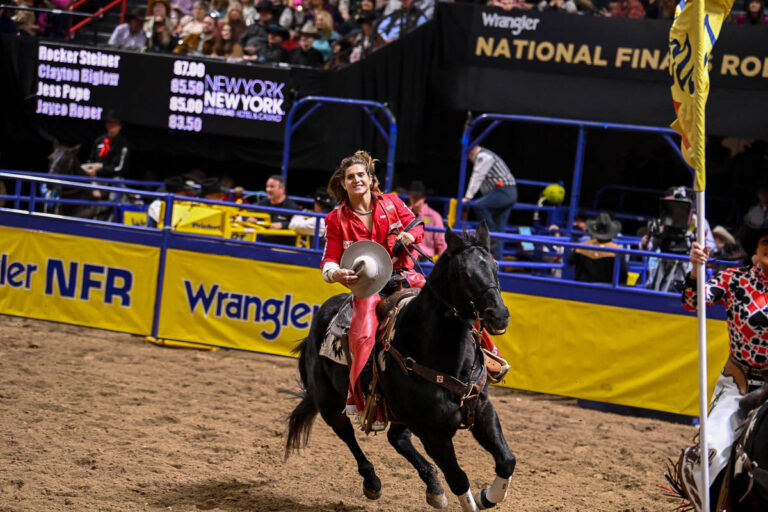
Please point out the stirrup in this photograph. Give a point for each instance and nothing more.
(497, 366)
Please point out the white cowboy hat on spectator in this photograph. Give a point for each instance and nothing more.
(724, 234)
(372, 265)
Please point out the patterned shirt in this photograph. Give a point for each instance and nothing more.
(488, 172)
(744, 291)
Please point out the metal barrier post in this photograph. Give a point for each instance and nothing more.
(578, 170)
(32, 197)
(166, 227)
(17, 193)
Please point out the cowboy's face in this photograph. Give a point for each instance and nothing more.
(357, 181)
(113, 128)
(275, 191)
(762, 253)
(306, 42)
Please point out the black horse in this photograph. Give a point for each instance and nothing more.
(749, 480)
(434, 330)
(63, 160)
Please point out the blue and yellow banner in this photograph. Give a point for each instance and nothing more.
(691, 39)
(239, 303)
(78, 280)
(608, 354)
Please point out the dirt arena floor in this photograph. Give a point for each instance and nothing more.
(98, 421)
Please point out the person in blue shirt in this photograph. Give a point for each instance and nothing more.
(401, 21)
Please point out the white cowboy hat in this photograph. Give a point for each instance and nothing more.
(372, 265)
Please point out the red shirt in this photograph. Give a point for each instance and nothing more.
(335, 245)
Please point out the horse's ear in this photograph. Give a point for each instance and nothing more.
(453, 241)
(482, 236)
(75, 149)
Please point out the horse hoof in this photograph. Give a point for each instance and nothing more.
(372, 495)
(437, 500)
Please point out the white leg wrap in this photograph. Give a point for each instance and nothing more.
(497, 492)
(467, 502)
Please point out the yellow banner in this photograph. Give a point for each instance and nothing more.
(240, 303)
(77, 280)
(608, 354)
(691, 39)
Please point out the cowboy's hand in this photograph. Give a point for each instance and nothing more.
(465, 200)
(345, 276)
(405, 238)
(697, 256)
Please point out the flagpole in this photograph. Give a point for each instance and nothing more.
(701, 278)
(701, 90)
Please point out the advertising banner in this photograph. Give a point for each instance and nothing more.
(78, 280)
(181, 94)
(239, 303)
(608, 354)
(601, 47)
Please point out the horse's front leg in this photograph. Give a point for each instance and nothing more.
(400, 438)
(440, 448)
(487, 431)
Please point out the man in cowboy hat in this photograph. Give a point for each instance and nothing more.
(305, 225)
(254, 38)
(434, 242)
(274, 51)
(130, 33)
(305, 54)
(742, 290)
(176, 185)
(109, 154)
(593, 265)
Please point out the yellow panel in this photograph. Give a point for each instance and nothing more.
(608, 354)
(240, 303)
(78, 280)
(135, 218)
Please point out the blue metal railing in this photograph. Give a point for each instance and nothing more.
(371, 108)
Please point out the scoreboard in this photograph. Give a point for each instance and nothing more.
(179, 93)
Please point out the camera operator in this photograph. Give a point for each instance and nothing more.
(673, 232)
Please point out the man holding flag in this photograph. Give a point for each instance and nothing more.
(691, 39)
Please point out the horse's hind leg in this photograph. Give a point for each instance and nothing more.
(331, 411)
(400, 438)
(487, 431)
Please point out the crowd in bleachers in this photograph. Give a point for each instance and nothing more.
(316, 33)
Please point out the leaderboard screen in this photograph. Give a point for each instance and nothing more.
(181, 94)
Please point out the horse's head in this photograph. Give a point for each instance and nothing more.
(63, 159)
(473, 282)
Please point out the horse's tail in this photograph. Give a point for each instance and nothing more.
(301, 418)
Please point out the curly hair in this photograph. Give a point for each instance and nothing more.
(336, 183)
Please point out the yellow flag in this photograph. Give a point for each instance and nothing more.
(691, 38)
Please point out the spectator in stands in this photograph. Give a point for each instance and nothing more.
(274, 52)
(194, 24)
(508, 5)
(226, 45)
(277, 198)
(727, 247)
(359, 8)
(593, 265)
(211, 188)
(305, 54)
(195, 175)
(7, 25)
(250, 16)
(26, 23)
(199, 44)
(367, 39)
(305, 225)
(401, 21)
(339, 53)
(493, 179)
(433, 243)
(325, 33)
(181, 8)
(336, 23)
(660, 9)
(568, 6)
(254, 39)
(758, 214)
(219, 9)
(109, 154)
(626, 9)
(158, 8)
(130, 33)
(161, 40)
(283, 14)
(174, 185)
(235, 20)
(754, 13)
(425, 6)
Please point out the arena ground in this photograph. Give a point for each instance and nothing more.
(99, 421)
